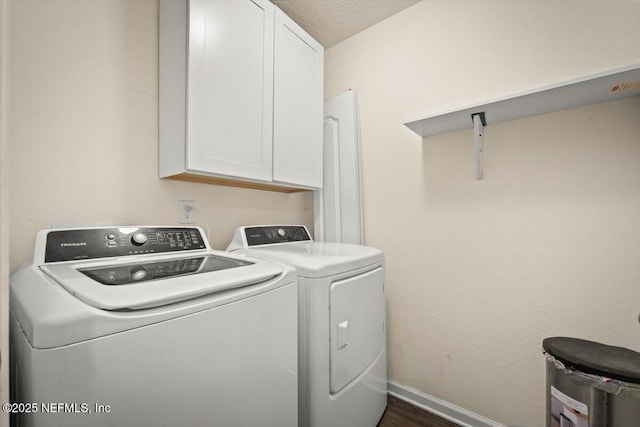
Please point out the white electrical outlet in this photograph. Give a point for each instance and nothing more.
(186, 211)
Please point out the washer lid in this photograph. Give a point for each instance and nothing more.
(319, 259)
(150, 282)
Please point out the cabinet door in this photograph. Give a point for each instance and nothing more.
(297, 115)
(230, 88)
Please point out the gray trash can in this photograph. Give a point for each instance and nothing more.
(591, 384)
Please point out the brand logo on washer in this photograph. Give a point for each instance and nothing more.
(74, 244)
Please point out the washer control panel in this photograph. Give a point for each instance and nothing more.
(68, 245)
(270, 234)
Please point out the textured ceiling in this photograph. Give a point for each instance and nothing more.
(331, 21)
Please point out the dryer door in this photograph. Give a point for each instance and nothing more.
(357, 315)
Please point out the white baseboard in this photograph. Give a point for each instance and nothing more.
(440, 407)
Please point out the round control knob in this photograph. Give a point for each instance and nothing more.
(139, 238)
(281, 232)
(138, 273)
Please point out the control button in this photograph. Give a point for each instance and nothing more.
(111, 244)
(139, 238)
(281, 232)
(138, 273)
(111, 236)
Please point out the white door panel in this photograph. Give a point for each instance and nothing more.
(297, 122)
(338, 206)
(357, 335)
(231, 59)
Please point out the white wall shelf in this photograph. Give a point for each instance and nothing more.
(607, 86)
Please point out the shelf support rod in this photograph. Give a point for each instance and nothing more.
(478, 129)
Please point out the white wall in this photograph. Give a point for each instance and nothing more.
(548, 244)
(84, 128)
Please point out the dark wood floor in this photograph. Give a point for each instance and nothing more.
(402, 414)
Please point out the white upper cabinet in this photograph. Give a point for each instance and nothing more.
(297, 104)
(230, 88)
(217, 96)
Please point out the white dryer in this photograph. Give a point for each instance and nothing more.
(147, 326)
(341, 315)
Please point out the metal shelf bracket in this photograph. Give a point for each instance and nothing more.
(478, 129)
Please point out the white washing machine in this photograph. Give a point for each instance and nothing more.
(147, 326)
(341, 314)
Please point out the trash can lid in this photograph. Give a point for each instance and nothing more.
(594, 358)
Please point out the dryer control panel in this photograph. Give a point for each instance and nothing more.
(270, 234)
(90, 243)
